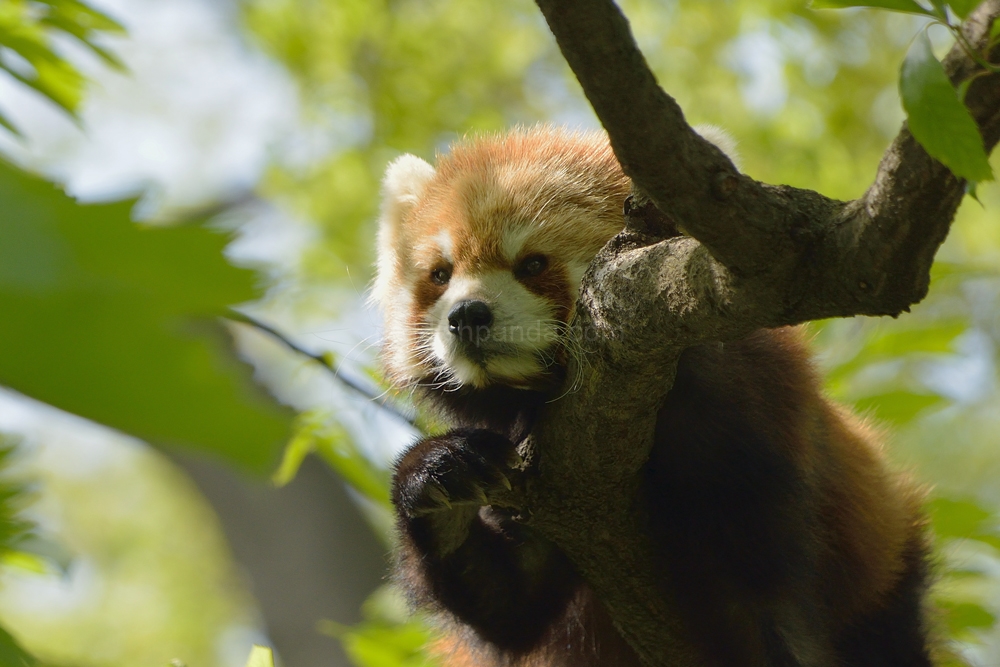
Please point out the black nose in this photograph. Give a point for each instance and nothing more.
(468, 316)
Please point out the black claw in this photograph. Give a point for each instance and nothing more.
(461, 467)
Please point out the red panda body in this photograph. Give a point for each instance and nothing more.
(788, 541)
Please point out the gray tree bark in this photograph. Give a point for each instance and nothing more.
(753, 255)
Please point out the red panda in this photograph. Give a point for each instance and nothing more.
(788, 540)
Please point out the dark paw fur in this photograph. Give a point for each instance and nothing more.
(465, 467)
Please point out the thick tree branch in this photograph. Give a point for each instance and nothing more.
(774, 237)
(756, 255)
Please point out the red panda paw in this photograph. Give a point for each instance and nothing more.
(462, 468)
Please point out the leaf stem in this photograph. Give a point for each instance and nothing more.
(970, 51)
(325, 362)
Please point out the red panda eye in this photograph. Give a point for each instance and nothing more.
(531, 266)
(440, 276)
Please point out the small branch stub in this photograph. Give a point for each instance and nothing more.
(724, 184)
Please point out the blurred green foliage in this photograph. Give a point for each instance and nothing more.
(113, 321)
(151, 578)
(118, 323)
(15, 530)
(380, 77)
(27, 28)
(385, 77)
(389, 637)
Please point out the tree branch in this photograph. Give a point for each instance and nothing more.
(775, 238)
(757, 255)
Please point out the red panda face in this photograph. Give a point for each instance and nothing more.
(480, 261)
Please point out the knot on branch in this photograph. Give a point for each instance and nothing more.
(724, 184)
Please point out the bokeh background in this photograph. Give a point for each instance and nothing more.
(272, 121)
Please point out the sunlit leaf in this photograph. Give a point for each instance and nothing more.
(338, 450)
(85, 37)
(10, 127)
(27, 28)
(907, 6)
(962, 8)
(57, 80)
(963, 519)
(301, 445)
(959, 597)
(261, 656)
(316, 431)
(964, 616)
(380, 644)
(893, 343)
(84, 16)
(50, 552)
(115, 322)
(14, 529)
(20, 560)
(11, 653)
(940, 8)
(388, 637)
(943, 271)
(936, 116)
(897, 407)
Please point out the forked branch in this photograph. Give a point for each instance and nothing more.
(756, 255)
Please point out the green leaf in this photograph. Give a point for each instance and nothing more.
(84, 16)
(936, 116)
(390, 636)
(20, 560)
(906, 6)
(9, 126)
(995, 29)
(118, 323)
(379, 644)
(301, 445)
(339, 452)
(261, 656)
(964, 616)
(57, 80)
(955, 271)
(961, 8)
(85, 37)
(940, 10)
(318, 431)
(44, 550)
(897, 407)
(963, 519)
(14, 531)
(26, 28)
(956, 518)
(937, 338)
(11, 653)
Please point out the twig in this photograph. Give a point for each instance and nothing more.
(378, 399)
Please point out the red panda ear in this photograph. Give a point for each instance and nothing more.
(403, 185)
(405, 180)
